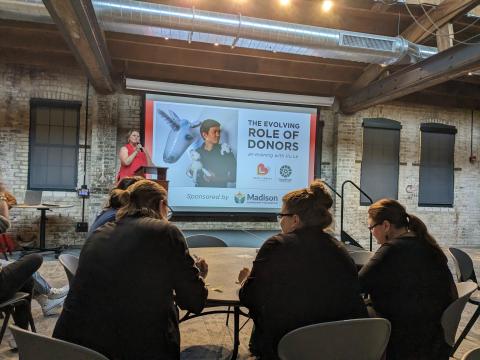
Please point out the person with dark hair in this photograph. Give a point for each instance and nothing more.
(122, 302)
(113, 203)
(302, 276)
(217, 159)
(132, 156)
(409, 283)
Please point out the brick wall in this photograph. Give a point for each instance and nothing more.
(110, 117)
(458, 225)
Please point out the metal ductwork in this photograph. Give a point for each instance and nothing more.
(191, 24)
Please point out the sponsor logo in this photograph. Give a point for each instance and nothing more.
(262, 198)
(262, 170)
(239, 198)
(285, 171)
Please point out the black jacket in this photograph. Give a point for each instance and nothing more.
(410, 285)
(121, 302)
(298, 279)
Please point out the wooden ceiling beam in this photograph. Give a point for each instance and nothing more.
(199, 59)
(235, 80)
(444, 66)
(76, 21)
(440, 15)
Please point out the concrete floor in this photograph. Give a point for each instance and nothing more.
(208, 337)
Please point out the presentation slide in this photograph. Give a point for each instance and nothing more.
(228, 156)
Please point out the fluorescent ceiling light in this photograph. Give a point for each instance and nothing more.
(261, 96)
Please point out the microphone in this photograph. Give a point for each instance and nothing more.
(139, 146)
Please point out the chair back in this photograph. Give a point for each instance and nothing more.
(33, 346)
(70, 264)
(203, 240)
(452, 314)
(360, 339)
(463, 265)
(360, 258)
(473, 354)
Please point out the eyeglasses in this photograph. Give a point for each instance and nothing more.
(371, 227)
(169, 212)
(280, 215)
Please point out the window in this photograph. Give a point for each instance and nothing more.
(436, 165)
(53, 156)
(380, 160)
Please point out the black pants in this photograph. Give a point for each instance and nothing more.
(15, 277)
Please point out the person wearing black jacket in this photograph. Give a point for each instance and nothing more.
(302, 276)
(122, 301)
(409, 283)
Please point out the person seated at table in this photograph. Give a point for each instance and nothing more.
(130, 275)
(49, 298)
(17, 276)
(301, 276)
(409, 282)
(113, 203)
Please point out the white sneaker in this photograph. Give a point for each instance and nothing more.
(56, 293)
(50, 306)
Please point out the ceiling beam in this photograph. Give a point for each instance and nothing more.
(440, 15)
(437, 17)
(209, 77)
(447, 65)
(76, 21)
(185, 57)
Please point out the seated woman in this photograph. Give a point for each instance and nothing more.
(122, 302)
(409, 282)
(16, 276)
(302, 276)
(49, 298)
(113, 204)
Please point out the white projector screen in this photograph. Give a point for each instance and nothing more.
(263, 152)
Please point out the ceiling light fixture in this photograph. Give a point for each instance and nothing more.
(327, 5)
(284, 2)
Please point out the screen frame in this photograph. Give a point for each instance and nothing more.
(236, 216)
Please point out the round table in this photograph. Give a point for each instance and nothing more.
(43, 218)
(224, 264)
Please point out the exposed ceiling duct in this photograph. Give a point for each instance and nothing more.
(191, 24)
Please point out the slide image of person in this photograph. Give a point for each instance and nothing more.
(213, 163)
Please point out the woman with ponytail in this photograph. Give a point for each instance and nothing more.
(121, 302)
(409, 283)
(301, 276)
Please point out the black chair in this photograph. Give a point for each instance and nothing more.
(203, 240)
(70, 264)
(465, 271)
(8, 306)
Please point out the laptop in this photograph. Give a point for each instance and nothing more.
(33, 197)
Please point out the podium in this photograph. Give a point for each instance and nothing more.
(159, 172)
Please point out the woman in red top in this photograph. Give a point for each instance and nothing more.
(132, 156)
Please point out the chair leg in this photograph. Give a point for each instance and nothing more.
(30, 319)
(5, 323)
(465, 331)
(228, 315)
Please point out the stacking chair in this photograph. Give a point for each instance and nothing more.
(464, 271)
(452, 314)
(33, 346)
(203, 240)
(359, 339)
(8, 306)
(472, 355)
(70, 264)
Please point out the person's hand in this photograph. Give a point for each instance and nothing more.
(243, 274)
(139, 147)
(202, 266)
